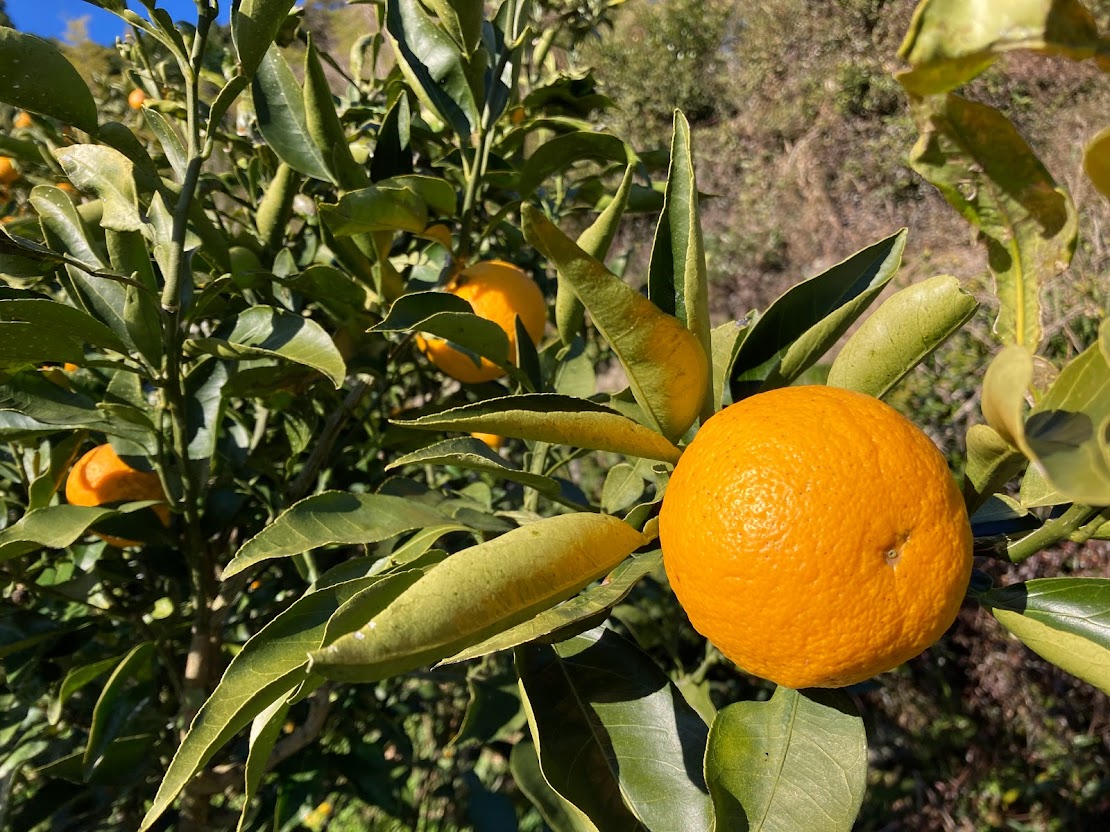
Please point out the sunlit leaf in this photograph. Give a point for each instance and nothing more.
(479, 592)
(797, 761)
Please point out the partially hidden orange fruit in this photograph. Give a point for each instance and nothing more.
(22, 120)
(815, 536)
(492, 439)
(497, 291)
(135, 99)
(100, 477)
(8, 173)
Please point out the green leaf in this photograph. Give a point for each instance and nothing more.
(324, 127)
(726, 340)
(614, 734)
(39, 79)
(949, 42)
(560, 420)
(991, 463)
(22, 343)
(265, 730)
(807, 319)
(984, 168)
(900, 334)
(479, 592)
(475, 455)
(558, 812)
(1096, 161)
(583, 611)
(279, 105)
(377, 208)
(561, 152)
(106, 720)
(462, 19)
(393, 149)
(666, 366)
(265, 332)
(433, 65)
(204, 406)
(438, 194)
(334, 517)
(271, 663)
(254, 26)
(31, 404)
(167, 135)
(76, 679)
(1064, 620)
(108, 174)
(797, 761)
(1064, 434)
(55, 527)
(622, 487)
(677, 281)
(595, 241)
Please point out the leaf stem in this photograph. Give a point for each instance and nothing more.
(1051, 532)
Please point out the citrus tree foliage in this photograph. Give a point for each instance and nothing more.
(226, 283)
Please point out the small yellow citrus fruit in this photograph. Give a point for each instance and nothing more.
(492, 439)
(815, 536)
(100, 477)
(8, 173)
(499, 292)
(135, 99)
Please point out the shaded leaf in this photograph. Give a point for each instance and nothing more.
(106, 714)
(614, 734)
(561, 152)
(254, 26)
(38, 78)
(432, 64)
(377, 208)
(279, 105)
(558, 812)
(55, 527)
(265, 332)
(324, 127)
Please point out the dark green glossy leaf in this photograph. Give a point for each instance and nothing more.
(39, 79)
(798, 761)
(561, 152)
(558, 812)
(614, 734)
(432, 64)
(76, 679)
(254, 26)
(377, 208)
(279, 105)
(807, 319)
(265, 332)
(106, 720)
(324, 127)
(1063, 620)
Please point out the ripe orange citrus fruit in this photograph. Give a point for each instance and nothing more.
(101, 477)
(22, 120)
(135, 99)
(815, 536)
(8, 173)
(497, 291)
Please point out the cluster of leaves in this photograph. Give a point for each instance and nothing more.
(240, 304)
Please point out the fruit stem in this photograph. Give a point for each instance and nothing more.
(1051, 532)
